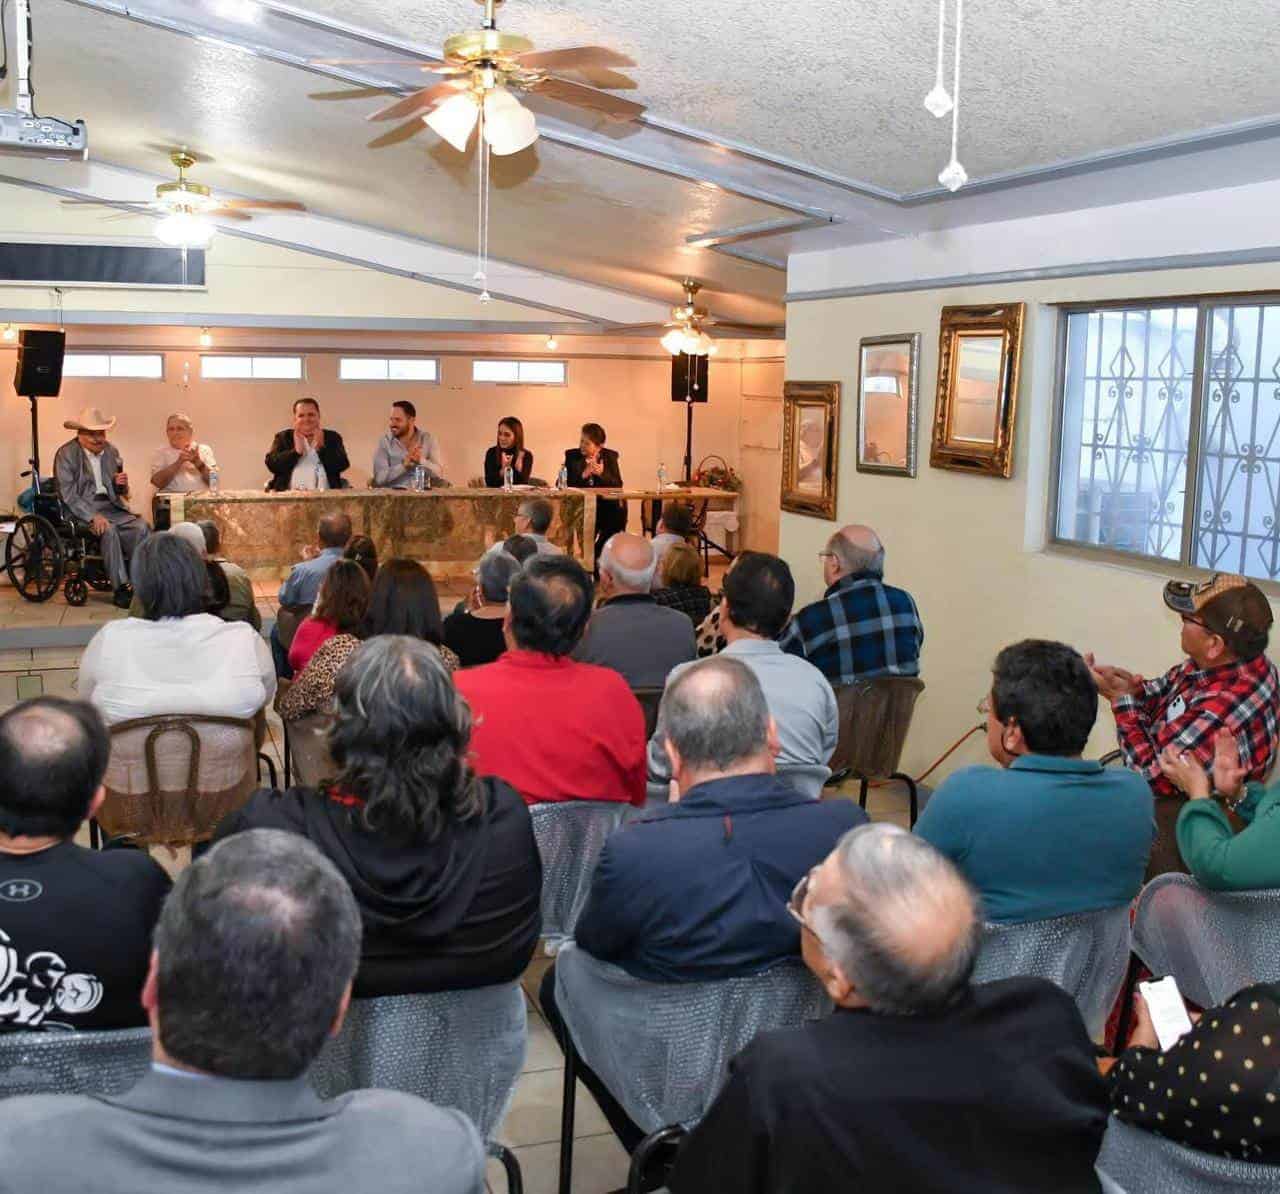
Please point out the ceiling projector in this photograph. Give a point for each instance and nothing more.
(42, 136)
(22, 131)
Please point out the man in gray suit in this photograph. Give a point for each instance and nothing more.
(254, 957)
(630, 632)
(93, 486)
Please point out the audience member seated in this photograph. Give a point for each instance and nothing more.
(682, 587)
(630, 632)
(241, 604)
(339, 609)
(919, 1081)
(301, 587)
(1051, 833)
(862, 627)
(443, 865)
(77, 922)
(521, 548)
(254, 955)
(533, 521)
(402, 601)
(698, 890)
(1215, 1089)
(176, 658)
(708, 639)
(675, 526)
(364, 551)
(758, 592)
(554, 728)
(476, 634)
(1218, 857)
(1225, 683)
(217, 592)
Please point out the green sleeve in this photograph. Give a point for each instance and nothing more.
(1225, 861)
(1247, 809)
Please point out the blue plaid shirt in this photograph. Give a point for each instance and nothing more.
(861, 628)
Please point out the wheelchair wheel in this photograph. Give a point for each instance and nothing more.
(75, 590)
(34, 559)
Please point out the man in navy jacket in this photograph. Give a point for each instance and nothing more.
(698, 890)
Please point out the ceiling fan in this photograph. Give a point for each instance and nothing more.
(686, 329)
(187, 209)
(482, 70)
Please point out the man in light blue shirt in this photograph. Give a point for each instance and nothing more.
(758, 593)
(302, 585)
(405, 447)
(1048, 833)
(533, 520)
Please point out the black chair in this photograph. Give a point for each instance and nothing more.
(650, 699)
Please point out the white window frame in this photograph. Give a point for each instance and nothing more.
(387, 363)
(111, 358)
(518, 362)
(253, 359)
(1185, 563)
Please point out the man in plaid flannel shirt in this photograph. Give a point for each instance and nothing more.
(861, 627)
(1226, 682)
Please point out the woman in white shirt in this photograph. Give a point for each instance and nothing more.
(182, 467)
(176, 658)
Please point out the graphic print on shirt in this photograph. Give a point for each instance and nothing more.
(40, 986)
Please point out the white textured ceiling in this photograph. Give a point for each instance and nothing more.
(839, 85)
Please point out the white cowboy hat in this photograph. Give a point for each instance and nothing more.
(90, 419)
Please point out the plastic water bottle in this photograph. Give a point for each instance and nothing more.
(662, 477)
(508, 478)
(419, 478)
(562, 478)
(213, 478)
(318, 484)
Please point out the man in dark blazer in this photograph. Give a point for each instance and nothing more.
(698, 890)
(920, 1080)
(307, 455)
(93, 486)
(251, 972)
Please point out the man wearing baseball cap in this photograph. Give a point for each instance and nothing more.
(1225, 683)
(93, 486)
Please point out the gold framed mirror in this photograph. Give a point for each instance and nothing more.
(978, 354)
(888, 398)
(810, 447)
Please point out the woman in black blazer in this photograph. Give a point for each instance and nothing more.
(593, 466)
(510, 450)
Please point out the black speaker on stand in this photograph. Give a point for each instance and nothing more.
(38, 375)
(689, 385)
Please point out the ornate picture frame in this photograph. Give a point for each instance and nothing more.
(888, 404)
(979, 349)
(810, 447)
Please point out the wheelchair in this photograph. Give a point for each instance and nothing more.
(49, 548)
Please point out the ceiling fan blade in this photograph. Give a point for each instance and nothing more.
(400, 133)
(612, 106)
(366, 62)
(352, 93)
(263, 204)
(627, 328)
(229, 213)
(722, 325)
(419, 101)
(573, 57)
(140, 204)
(602, 78)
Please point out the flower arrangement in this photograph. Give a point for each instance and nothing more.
(714, 472)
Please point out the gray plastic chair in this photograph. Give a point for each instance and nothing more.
(663, 1049)
(462, 1049)
(1141, 1162)
(570, 836)
(1109, 1186)
(1214, 943)
(105, 1062)
(1086, 954)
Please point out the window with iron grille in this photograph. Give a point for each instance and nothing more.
(1169, 433)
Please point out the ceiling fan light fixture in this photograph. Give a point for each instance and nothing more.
(454, 119)
(673, 341)
(509, 126)
(185, 230)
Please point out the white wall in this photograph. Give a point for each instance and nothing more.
(971, 549)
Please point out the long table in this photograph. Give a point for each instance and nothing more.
(447, 529)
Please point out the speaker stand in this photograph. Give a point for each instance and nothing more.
(34, 458)
(688, 441)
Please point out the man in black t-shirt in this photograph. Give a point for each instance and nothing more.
(75, 924)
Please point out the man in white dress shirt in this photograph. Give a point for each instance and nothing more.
(403, 448)
(182, 467)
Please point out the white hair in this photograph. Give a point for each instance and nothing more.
(640, 579)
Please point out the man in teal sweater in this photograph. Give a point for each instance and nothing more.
(1047, 833)
(1215, 854)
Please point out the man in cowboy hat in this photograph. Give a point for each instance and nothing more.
(93, 486)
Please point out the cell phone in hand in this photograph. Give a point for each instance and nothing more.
(1168, 1013)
